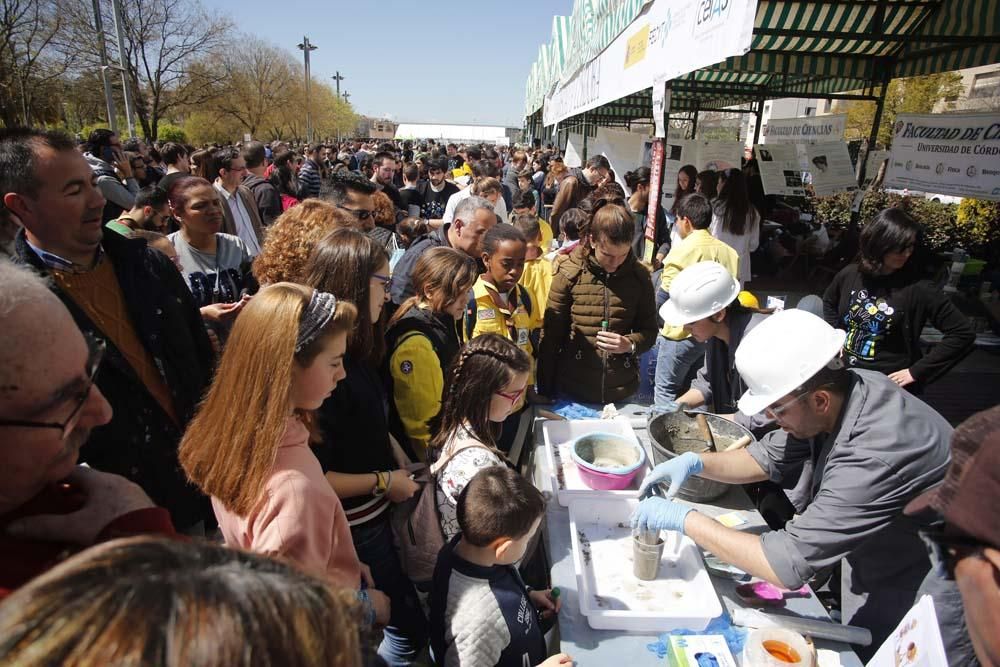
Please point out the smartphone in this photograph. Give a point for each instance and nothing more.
(108, 154)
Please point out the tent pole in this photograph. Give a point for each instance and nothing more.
(585, 138)
(760, 120)
(694, 122)
(876, 121)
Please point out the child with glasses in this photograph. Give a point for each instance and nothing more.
(485, 382)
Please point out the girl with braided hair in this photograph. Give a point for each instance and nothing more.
(487, 379)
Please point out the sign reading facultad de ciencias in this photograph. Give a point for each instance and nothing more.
(952, 154)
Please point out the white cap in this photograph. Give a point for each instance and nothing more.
(699, 291)
(781, 353)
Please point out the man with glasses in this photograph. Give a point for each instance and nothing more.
(159, 359)
(352, 192)
(50, 506)
(238, 205)
(965, 542)
(873, 447)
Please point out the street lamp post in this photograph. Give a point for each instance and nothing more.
(306, 47)
(337, 79)
(122, 58)
(103, 53)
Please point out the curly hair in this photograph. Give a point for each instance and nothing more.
(292, 237)
(385, 210)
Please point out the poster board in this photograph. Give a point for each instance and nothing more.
(916, 641)
(624, 150)
(780, 170)
(572, 156)
(950, 154)
(804, 129)
(714, 155)
(831, 168)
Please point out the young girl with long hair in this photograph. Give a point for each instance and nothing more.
(638, 203)
(284, 180)
(735, 221)
(487, 379)
(422, 341)
(284, 357)
(356, 453)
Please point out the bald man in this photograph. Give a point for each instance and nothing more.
(49, 506)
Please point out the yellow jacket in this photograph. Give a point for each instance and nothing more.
(417, 387)
(514, 325)
(547, 235)
(464, 170)
(698, 246)
(537, 279)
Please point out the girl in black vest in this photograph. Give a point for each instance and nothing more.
(422, 340)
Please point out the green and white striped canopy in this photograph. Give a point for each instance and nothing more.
(821, 48)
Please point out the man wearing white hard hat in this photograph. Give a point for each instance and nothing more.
(873, 447)
(703, 300)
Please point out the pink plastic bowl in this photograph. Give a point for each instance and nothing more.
(602, 478)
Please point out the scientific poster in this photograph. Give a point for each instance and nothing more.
(713, 155)
(780, 171)
(831, 168)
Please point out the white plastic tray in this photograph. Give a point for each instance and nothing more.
(565, 476)
(612, 598)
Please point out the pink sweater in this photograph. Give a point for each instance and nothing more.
(299, 517)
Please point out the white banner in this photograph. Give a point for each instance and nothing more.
(572, 156)
(704, 155)
(805, 129)
(831, 168)
(950, 154)
(873, 162)
(671, 38)
(780, 171)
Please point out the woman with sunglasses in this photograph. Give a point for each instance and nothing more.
(355, 450)
(883, 303)
(485, 382)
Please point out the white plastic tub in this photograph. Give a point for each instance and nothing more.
(565, 476)
(611, 597)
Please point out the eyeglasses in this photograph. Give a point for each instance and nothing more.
(385, 280)
(96, 354)
(510, 397)
(946, 550)
(776, 412)
(359, 213)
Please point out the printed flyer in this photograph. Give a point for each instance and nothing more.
(780, 171)
(831, 168)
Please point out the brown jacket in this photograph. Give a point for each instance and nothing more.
(572, 190)
(250, 204)
(582, 296)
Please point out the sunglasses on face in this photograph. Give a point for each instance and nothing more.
(79, 398)
(359, 213)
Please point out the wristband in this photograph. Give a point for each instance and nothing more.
(388, 485)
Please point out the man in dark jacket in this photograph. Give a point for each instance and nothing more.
(310, 175)
(578, 185)
(473, 218)
(158, 360)
(264, 193)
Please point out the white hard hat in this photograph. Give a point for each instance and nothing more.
(781, 353)
(697, 292)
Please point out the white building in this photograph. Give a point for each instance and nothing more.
(458, 133)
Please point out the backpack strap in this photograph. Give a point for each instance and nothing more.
(438, 466)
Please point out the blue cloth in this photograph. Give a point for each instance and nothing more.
(570, 410)
(735, 637)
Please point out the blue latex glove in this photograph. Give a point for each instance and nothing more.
(660, 514)
(676, 471)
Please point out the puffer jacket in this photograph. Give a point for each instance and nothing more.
(582, 296)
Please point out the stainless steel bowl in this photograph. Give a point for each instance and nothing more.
(672, 434)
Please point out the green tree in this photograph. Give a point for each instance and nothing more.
(919, 94)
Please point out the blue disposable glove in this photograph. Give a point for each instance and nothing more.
(660, 514)
(676, 471)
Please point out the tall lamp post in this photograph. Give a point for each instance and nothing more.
(306, 47)
(337, 79)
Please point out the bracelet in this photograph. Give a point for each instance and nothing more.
(380, 486)
(388, 474)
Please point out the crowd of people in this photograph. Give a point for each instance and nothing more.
(327, 358)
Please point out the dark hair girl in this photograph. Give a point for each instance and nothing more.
(685, 184)
(735, 221)
(283, 178)
(489, 376)
(884, 307)
(707, 183)
(638, 203)
(355, 452)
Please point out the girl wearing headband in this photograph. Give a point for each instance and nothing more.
(284, 357)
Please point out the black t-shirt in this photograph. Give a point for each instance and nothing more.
(410, 197)
(434, 203)
(355, 426)
(393, 194)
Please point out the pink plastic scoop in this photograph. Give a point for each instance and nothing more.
(762, 592)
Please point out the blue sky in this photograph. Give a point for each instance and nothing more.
(435, 61)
